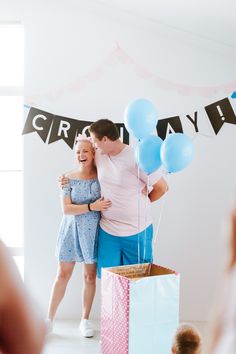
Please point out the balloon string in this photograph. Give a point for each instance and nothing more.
(139, 196)
(146, 210)
(138, 207)
(161, 211)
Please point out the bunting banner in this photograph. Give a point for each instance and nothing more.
(52, 128)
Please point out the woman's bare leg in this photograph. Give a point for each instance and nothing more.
(64, 272)
(89, 289)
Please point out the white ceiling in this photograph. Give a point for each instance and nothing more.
(210, 19)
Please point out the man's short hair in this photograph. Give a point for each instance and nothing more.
(104, 127)
(187, 340)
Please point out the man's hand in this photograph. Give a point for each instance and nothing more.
(63, 181)
(159, 189)
(144, 190)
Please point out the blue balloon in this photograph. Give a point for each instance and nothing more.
(140, 118)
(176, 152)
(147, 154)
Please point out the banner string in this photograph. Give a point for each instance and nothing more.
(119, 56)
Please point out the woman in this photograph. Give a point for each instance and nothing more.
(77, 239)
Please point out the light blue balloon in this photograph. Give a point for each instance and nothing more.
(176, 152)
(140, 118)
(147, 154)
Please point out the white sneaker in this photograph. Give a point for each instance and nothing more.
(49, 325)
(86, 328)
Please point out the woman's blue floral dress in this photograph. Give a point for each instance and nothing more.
(77, 239)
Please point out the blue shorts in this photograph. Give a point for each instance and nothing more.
(115, 250)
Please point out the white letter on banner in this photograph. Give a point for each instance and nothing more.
(36, 127)
(63, 127)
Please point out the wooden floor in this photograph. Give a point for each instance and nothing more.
(66, 339)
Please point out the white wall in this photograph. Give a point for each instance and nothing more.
(65, 40)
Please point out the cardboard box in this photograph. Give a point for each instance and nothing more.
(140, 309)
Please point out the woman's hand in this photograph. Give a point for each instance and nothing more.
(100, 204)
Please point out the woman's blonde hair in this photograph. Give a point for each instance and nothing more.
(83, 138)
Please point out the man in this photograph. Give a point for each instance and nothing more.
(126, 231)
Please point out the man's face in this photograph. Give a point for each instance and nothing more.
(100, 144)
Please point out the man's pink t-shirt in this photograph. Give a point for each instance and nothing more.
(118, 177)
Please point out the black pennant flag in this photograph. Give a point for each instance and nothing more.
(220, 112)
(123, 132)
(169, 125)
(38, 121)
(66, 129)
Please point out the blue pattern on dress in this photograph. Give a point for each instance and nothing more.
(77, 239)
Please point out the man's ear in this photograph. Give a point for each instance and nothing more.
(105, 139)
(173, 350)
